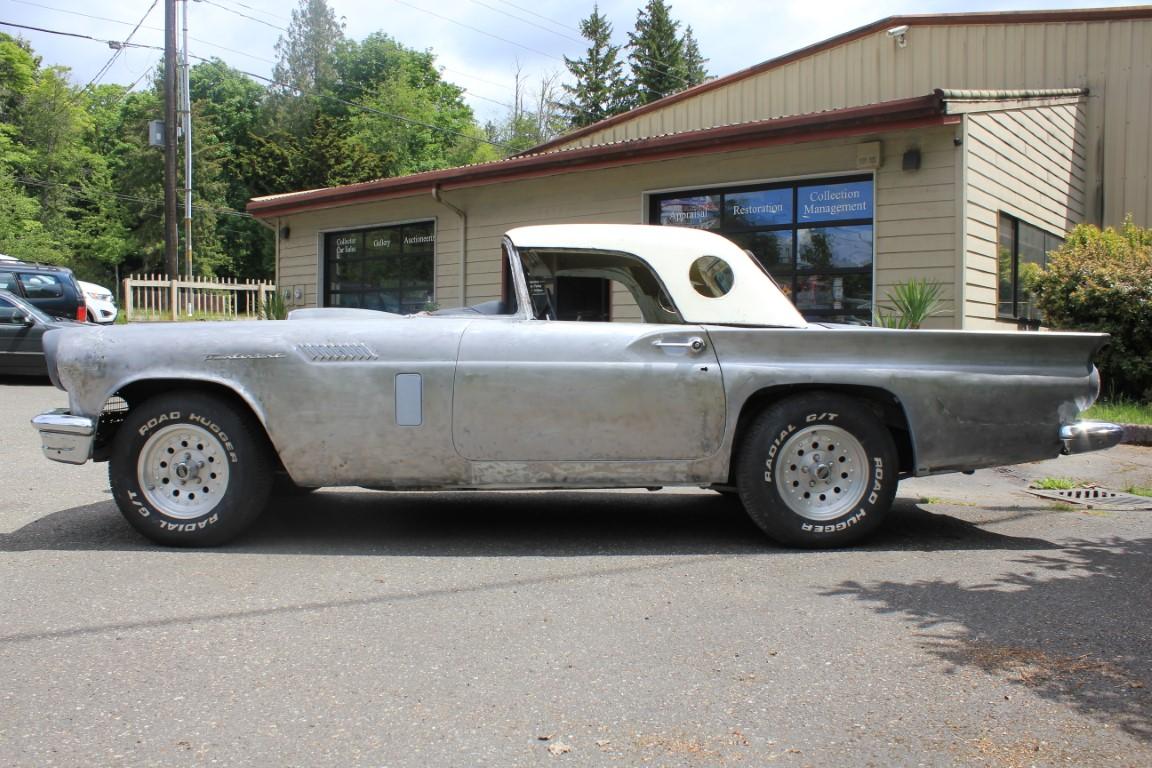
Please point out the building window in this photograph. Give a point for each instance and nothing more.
(387, 268)
(816, 238)
(1022, 253)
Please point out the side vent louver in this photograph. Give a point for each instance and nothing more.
(336, 353)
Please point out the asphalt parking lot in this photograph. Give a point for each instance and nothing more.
(983, 627)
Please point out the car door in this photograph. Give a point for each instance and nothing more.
(47, 292)
(535, 390)
(21, 341)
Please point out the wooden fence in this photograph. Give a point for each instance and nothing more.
(157, 297)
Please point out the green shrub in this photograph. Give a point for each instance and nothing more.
(1102, 281)
(911, 303)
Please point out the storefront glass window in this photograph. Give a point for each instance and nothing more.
(816, 239)
(1022, 253)
(386, 268)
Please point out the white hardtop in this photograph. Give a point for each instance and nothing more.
(754, 299)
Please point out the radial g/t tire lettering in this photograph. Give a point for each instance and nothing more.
(190, 470)
(817, 470)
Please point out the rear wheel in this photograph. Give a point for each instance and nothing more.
(817, 470)
(189, 470)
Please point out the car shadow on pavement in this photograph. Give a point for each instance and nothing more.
(1071, 627)
(560, 524)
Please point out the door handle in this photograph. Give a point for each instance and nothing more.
(694, 345)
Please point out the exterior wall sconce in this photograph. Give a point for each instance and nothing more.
(285, 232)
(911, 160)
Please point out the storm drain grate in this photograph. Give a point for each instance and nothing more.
(1097, 498)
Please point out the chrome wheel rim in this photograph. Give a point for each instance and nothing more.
(822, 472)
(183, 471)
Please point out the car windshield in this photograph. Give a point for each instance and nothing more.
(10, 302)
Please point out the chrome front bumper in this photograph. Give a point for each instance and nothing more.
(1084, 436)
(64, 437)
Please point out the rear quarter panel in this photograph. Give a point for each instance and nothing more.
(971, 399)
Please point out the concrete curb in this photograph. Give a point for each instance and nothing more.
(1137, 434)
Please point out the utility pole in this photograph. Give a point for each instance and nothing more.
(171, 230)
(186, 107)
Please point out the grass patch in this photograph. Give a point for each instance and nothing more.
(1055, 484)
(1139, 490)
(1120, 412)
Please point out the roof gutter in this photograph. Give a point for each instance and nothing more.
(891, 115)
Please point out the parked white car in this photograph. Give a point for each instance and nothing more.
(101, 303)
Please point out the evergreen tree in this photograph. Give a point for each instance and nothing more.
(656, 55)
(306, 64)
(694, 69)
(601, 89)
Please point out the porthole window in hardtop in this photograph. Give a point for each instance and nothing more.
(815, 237)
(711, 276)
(387, 268)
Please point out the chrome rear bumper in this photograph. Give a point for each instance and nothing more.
(1084, 436)
(64, 437)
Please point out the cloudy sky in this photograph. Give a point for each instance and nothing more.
(480, 44)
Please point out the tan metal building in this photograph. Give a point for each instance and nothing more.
(957, 148)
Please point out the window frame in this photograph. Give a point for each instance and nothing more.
(326, 263)
(794, 275)
(1031, 316)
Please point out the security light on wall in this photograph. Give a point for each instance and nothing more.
(900, 35)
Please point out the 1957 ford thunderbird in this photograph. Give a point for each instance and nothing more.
(716, 381)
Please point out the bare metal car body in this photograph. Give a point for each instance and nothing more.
(514, 399)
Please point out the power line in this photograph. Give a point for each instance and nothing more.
(282, 29)
(256, 10)
(119, 48)
(278, 84)
(476, 29)
(526, 21)
(241, 14)
(201, 41)
(362, 107)
(131, 198)
(539, 16)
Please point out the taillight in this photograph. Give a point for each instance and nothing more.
(82, 314)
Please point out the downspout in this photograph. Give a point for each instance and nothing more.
(276, 242)
(463, 241)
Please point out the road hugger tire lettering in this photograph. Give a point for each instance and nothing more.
(817, 470)
(189, 469)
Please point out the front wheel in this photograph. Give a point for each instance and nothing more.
(817, 470)
(189, 470)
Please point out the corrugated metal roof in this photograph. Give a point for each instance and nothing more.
(1082, 15)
